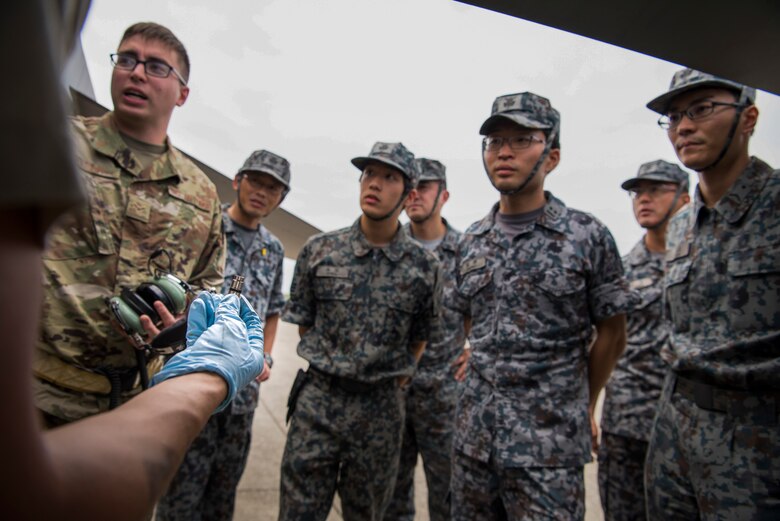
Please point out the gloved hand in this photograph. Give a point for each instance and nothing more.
(224, 336)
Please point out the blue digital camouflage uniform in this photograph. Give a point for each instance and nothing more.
(95, 250)
(522, 420)
(364, 306)
(715, 448)
(205, 485)
(631, 396)
(430, 405)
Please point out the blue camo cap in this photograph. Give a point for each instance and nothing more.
(690, 79)
(395, 155)
(268, 163)
(431, 170)
(526, 109)
(659, 171)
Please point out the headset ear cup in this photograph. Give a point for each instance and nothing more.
(125, 315)
(140, 303)
(151, 293)
(176, 294)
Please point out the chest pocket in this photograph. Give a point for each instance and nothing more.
(559, 282)
(333, 292)
(332, 283)
(158, 215)
(86, 231)
(754, 292)
(649, 293)
(476, 288)
(676, 282)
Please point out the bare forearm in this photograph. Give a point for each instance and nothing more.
(609, 345)
(116, 465)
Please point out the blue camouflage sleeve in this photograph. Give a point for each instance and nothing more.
(301, 308)
(276, 303)
(425, 320)
(608, 291)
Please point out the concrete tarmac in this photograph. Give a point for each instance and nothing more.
(258, 491)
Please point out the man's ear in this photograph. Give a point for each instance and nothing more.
(749, 119)
(183, 93)
(552, 160)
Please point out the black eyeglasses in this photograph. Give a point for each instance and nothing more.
(699, 110)
(516, 143)
(260, 181)
(156, 68)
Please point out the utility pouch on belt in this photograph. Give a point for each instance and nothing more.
(300, 381)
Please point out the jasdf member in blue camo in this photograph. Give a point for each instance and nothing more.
(534, 279)
(432, 394)
(657, 192)
(205, 486)
(715, 448)
(365, 299)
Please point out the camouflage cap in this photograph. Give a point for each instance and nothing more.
(660, 171)
(525, 109)
(431, 170)
(268, 163)
(689, 79)
(395, 155)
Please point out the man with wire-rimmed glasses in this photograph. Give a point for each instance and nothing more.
(143, 195)
(657, 192)
(534, 278)
(713, 453)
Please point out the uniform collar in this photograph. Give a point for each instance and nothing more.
(640, 255)
(107, 141)
(394, 251)
(742, 194)
(553, 217)
(230, 226)
(448, 242)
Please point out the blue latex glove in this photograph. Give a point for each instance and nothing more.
(224, 336)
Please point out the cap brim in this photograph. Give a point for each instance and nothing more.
(517, 118)
(269, 172)
(661, 103)
(660, 178)
(361, 162)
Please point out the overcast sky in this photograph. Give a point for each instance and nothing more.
(319, 82)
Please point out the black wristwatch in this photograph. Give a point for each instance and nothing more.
(268, 360)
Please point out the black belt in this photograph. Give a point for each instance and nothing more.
(350, 385)
(732, 401)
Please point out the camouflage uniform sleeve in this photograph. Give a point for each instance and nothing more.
(608, 293)
(276, 303)
(301, 308)
(451, 297)
(428, 315)
(209, 272)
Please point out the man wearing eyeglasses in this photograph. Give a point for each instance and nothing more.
(365, 300)
(657, 192)
(534, 279)
(205, 486)
(143, 195)
(713, 452)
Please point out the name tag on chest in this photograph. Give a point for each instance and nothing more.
(337, 272)
(473, 264)
(642, 283)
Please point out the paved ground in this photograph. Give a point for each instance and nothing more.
(258, 492)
